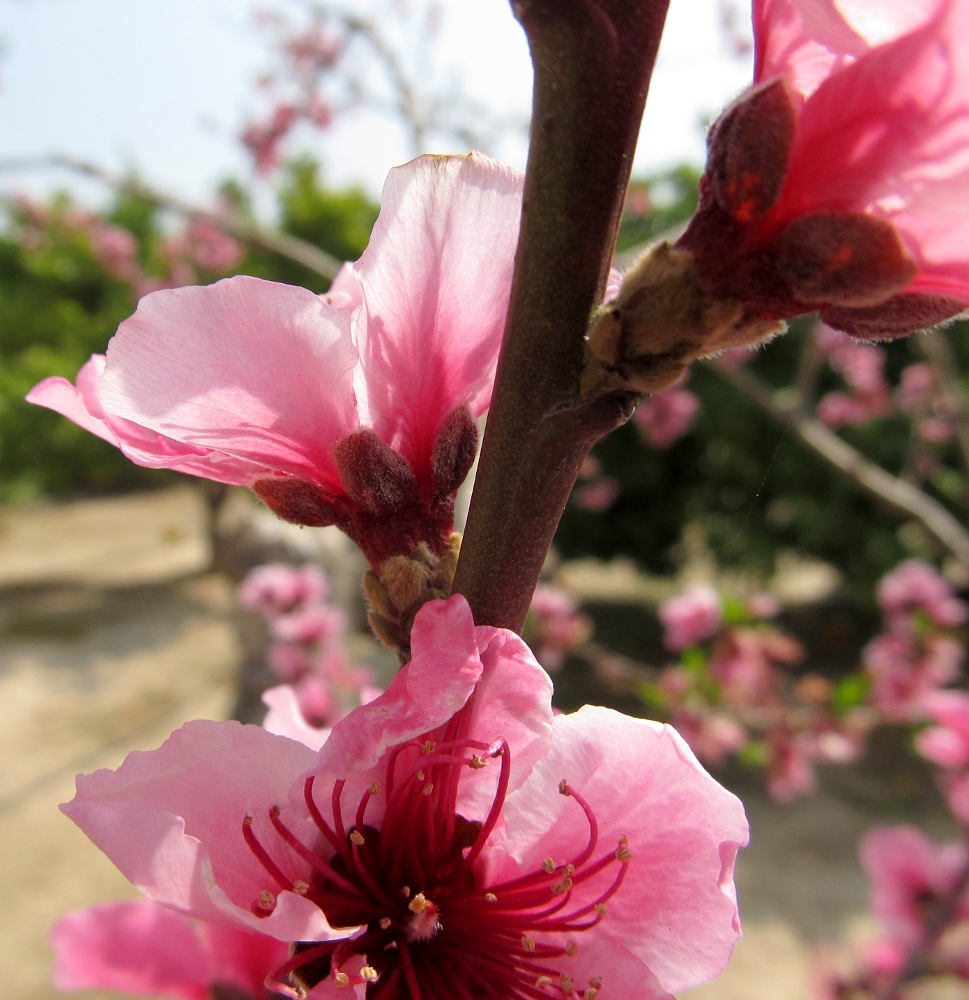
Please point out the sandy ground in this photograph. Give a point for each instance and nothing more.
(112, 633)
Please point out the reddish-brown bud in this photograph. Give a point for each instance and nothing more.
(379, 479)
(298, 501)
(748, 150)
(454, 451)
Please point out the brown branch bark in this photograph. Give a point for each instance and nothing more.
(292, 247)
(900, 496)
(593, 60)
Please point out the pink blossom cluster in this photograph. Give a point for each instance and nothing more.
(199, 248)
(555, 626)
(307, 647)
(731, 693)
(665, 417)
(862, 366)
(919, 897)
(596, 491)
(918, 650)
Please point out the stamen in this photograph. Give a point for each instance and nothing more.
(262, 857)
(490, 897)
(563, 885)
(428, 746)
(266, 901)
(300, 887)
(417, 904)
(543, 981)
(317, 816)
(489, 824)
(590, 994)
(369, 973)
(274, 981)
(340, 980)
(385, 922)
(565, 980)
(595, 982)
(357, 837)
(571, 949)
(528, 943)
(549, 865)
(427, 789)
(477, 762)
(582, 858)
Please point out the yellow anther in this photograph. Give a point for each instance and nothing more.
(427, 789)
(569, 869)
(528, 943)
(571, 949)
(420, 775)
(490, 897)
(301, 887)
(591, 993)
(418, 904)
(248, 818)
(477, 762)
(564, 787)
(340, 980)
(549, 865)
(623, 853)
(543, 981)
(623, 839)
(357, 837)
(375, 787)
(370, 973)
(563, 885)
(428, 746)
(565, 981)
(266, 900)
(595, 982)
(602, 909)
(384, 923)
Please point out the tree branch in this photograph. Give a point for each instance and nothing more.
(292, 247)
(900, 496)
(593, 60)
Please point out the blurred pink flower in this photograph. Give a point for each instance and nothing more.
(695, 615)
(947, 742)
(916, 586)
(148, 950)
(904, 671)
(915, 387)
(743, 659)
(435, 835)
(712, 736)
(908, 872)
(361, 418)
(599, 495)
(211, 248)
(665, 417)
(790, 773)
(830, 182)
(278, 588)
(554, 626)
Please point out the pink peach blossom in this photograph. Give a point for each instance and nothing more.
(916, 586)
(695, 615)
(148, 950)
(599, 495)
(903, 672)
(667, 416)
(441, 840)
(277, 588)
(908, 872)
(362, 417)
(830, 183)
(555, 626)
(947, 742)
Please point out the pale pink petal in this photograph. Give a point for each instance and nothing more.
(241, 958)
(345, 292)
(256, 370)
(513, 701)
(79, 404)
(436, 278)
(284, 718)
(441, 675)
(676, 910)
(137, 947)
(621, 975)
(171, 820)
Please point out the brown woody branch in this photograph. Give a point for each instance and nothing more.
(593, 60)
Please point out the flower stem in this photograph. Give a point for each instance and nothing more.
(593, 60)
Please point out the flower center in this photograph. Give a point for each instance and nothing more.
(432, 927)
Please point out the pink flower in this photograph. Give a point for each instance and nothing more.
(693, 616)
(915, 387)
(434, 842)
(210, 248)
(310, 625)
(146, 949)
(599, 495)
(667, 416)
(916, 586)
(278, 588)
(743, 662)
(354, 409)
(908, 873)
(713, 737)
(830, 183)
(947, 742)
(903, 671)
(790, 773)
(555, 627)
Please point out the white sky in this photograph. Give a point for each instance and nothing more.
(165, 85)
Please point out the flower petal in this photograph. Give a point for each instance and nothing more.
(285, 719)
(257, 370)
(137, 947)
(436, 279)
(676, 910)
(439, 679)
(171, 820)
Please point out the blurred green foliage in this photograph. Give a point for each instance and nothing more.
(58, 305)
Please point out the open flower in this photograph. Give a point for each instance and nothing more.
(144, 948)
(448, 834)
(830, 183)
(356, 408)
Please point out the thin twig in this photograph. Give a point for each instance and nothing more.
(897, 494)
(292, 247)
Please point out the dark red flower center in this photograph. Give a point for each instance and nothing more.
(430, 928)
